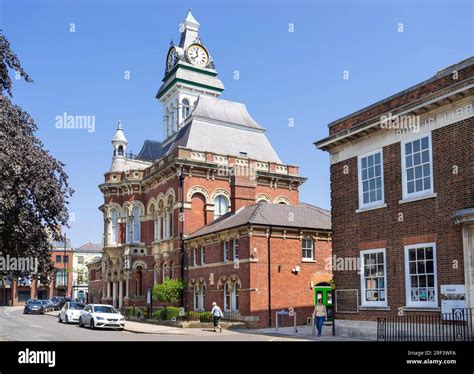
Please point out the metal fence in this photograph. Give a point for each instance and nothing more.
(455, 326)
(196, 315)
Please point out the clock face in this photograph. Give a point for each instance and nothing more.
(172, 58)
(197, 55)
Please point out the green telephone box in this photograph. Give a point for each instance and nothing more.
(324, 291)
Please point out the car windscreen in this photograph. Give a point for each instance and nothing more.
(76, 306)
(36, 303)
(104, 309)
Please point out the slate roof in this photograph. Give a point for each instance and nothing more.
(219, 126)
(90, 248)
(302, 216)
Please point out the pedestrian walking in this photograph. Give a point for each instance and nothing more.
(216, 316)
(320, 314)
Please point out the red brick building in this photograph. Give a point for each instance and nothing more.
(263, 258)
(18, 290)
(214, 159)
(402, 197)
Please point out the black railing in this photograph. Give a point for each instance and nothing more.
(455, 326)
(206, 315)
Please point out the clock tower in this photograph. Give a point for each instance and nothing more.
(189, 73)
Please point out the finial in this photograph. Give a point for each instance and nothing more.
(119, 125)
(171, 42)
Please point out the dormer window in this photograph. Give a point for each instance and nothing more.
(185, 108)
(243, 154)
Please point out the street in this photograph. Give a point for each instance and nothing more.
(16, 326)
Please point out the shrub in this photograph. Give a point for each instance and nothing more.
(169, 312)
(157, 313)
(205, 317)
(133, 311)
(169, 291)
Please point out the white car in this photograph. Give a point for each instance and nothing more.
(70, 312)
(101, 316)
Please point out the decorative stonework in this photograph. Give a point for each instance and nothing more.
(241, 162)
(263, 166)
(217, 192)
(263, 197)
(281, 200)
(197, 189)
(200, 156)
(223, 160)
(280, 169)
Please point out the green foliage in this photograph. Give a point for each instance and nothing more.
(157, 313)
(205, 317)
(133, 311)
(169, 312)
(169, 291)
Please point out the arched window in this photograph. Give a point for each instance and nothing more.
(120, 150)
(201, 297)
(139, 280)
(227, 302)
(166, 272)
(221, 206)
(136, 224)
(186, 109)
(127, 227)
(155, 225)
(114, 214)
(235, 297)
(196, 298)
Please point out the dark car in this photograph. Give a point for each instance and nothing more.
(35, 306)
(48, 305)
(30, 301)
(64, 300)
(57, 300)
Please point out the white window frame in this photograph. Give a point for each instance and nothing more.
(405, 194)
(136, 225)
(227, 305)
(114, 227)
(364, 302)
(226, 250)
(235, 253)
(216, 199)
(312, 249)
(194, 256)
(359, 177)
(203, 255)
(420, 304)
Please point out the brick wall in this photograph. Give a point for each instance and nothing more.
(423, 221)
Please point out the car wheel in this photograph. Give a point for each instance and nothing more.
(92, 324)
(66, 320)
(59, 318)
(80, 322)
(120, 329)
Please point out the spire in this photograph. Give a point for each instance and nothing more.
(189, 31)
(190, 21)
(119, 137)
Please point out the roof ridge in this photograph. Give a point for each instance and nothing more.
(258, 207)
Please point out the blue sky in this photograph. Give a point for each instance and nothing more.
(282, 74)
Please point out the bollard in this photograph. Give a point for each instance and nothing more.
(313, 331)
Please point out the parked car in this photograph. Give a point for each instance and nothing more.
(35, 306)
(30, 301)
(70, 312)
(101, 316)
(56, 300)
(48, 305)
(63, 301)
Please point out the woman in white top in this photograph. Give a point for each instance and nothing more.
(216, 316)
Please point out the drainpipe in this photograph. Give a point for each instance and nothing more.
(269, 279)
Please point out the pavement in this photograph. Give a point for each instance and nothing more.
(14, 325)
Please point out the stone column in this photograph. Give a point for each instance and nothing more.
(114, 293)
(120, 301)
(127, 286)
(108, 289)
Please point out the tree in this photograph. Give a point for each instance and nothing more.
(34, 188)
(169, 291)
